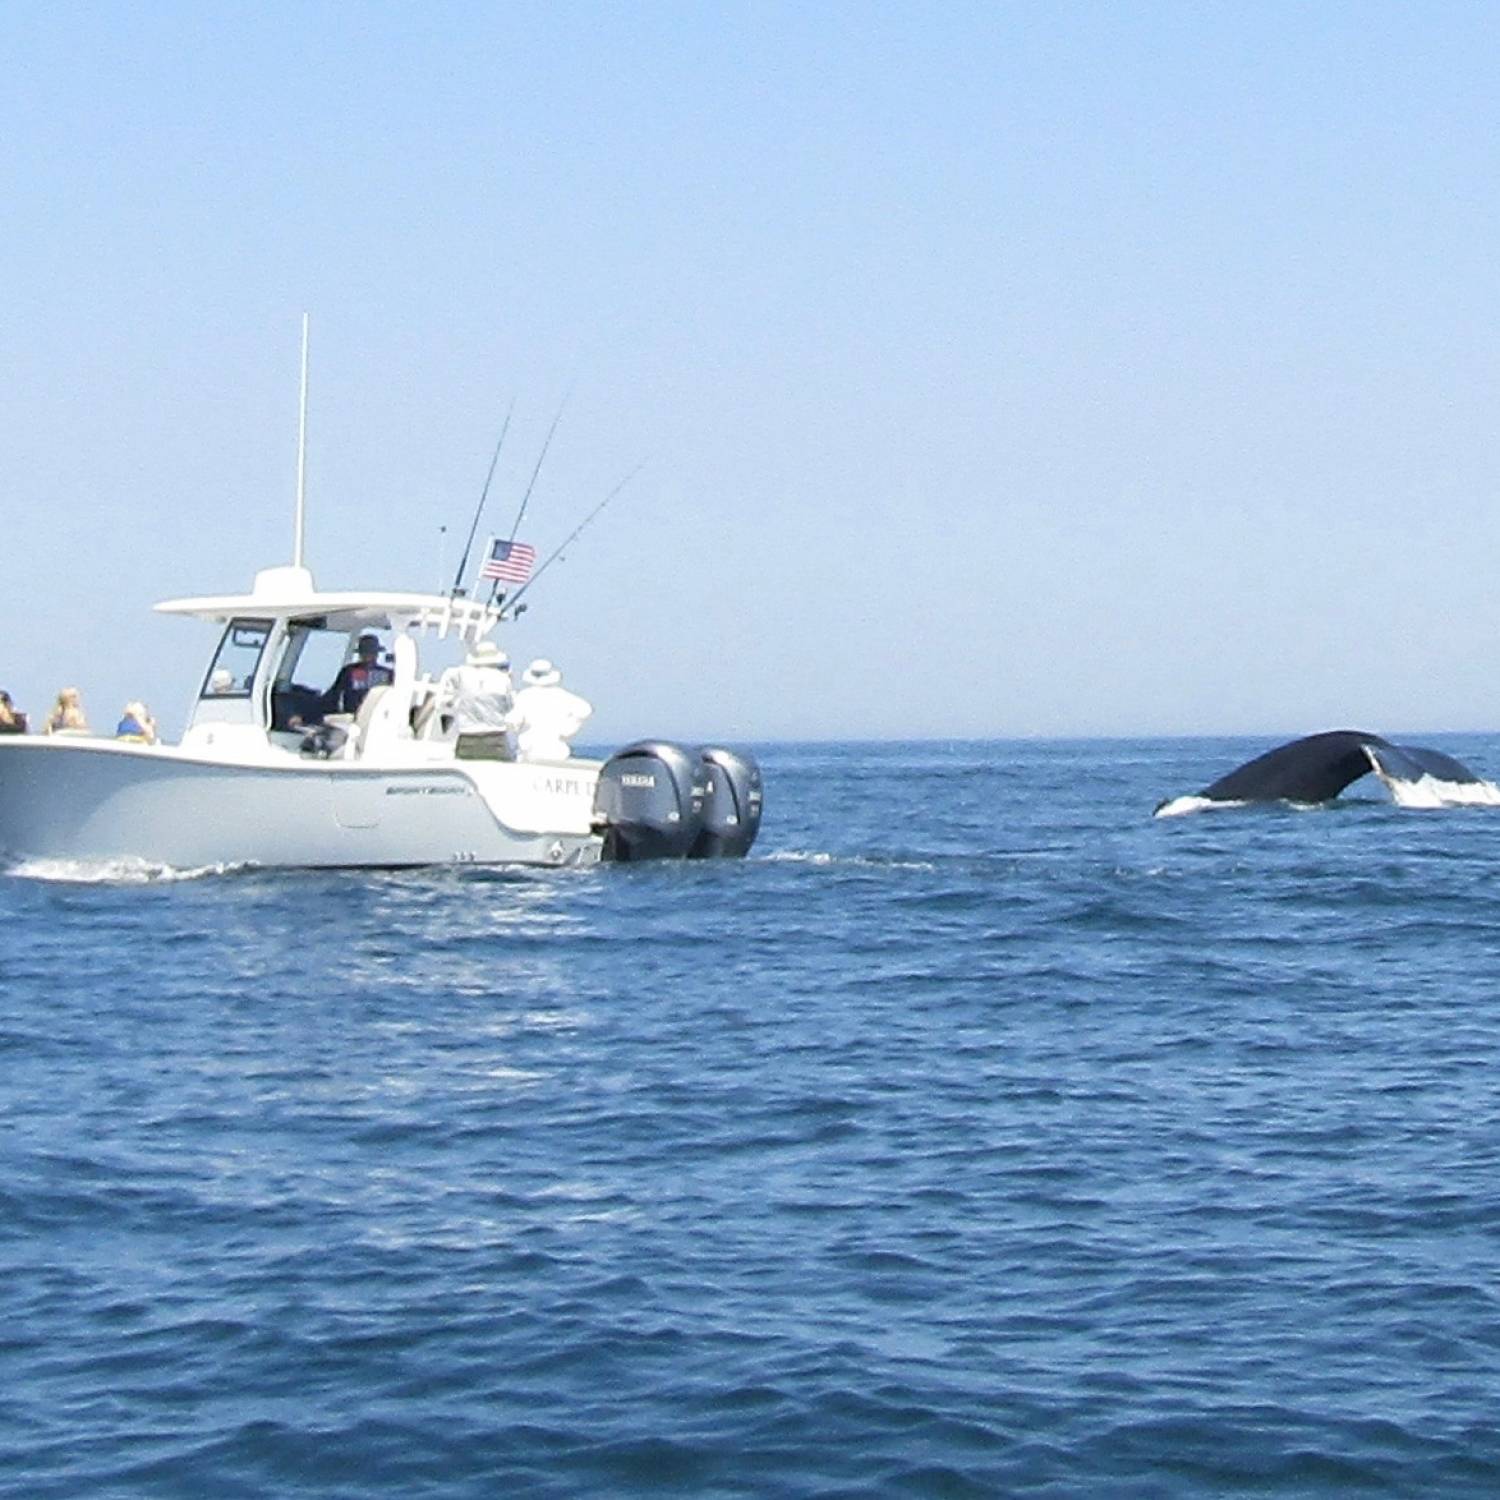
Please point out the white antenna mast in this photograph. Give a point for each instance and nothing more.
(301, 455)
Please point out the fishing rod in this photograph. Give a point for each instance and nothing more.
(458, 577)
(526, 498)
(573, 535)
(540, 459)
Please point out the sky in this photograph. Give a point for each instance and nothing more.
(998, 369)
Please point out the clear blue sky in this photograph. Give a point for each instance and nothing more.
(1002, 369)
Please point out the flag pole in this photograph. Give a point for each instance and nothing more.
(489, 547)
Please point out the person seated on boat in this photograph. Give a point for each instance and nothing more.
(482, 689)
(356, 678)
(12, 720)
(220, 681)
(546, 715)
(136, 724)
(67, 716)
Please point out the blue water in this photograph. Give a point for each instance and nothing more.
(978, 1136)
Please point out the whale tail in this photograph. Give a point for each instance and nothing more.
(1318, 767)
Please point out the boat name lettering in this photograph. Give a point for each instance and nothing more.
(427, 789)
(560, 786)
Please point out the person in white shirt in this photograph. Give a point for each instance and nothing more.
(546, 715)
(482, 690)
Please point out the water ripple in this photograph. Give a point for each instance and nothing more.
(979, 1136)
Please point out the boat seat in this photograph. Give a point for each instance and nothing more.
(368, 708)
(422, 715)
(384, 718)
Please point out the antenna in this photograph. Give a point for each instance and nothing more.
(301, 456)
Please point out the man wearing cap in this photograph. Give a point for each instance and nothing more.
(356, 678)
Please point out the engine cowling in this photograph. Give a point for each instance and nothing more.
(732, 797)
(650, 801)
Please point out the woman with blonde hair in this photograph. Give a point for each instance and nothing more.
(67, 716)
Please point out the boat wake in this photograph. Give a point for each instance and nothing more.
(1313, 771)
(845, 861)
(124, 871)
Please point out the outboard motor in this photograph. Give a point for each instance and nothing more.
(731, 805)
(650, 800)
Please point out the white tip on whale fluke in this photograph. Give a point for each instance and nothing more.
(1178, 807)
(1429, 791)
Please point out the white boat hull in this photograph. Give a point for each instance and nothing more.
(101, 800)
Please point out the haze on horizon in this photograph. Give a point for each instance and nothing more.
(1098, 369)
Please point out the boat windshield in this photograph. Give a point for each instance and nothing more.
(312, 657)
(307, 671)
(233, 670)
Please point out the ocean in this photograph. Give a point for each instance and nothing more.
(979, 1135)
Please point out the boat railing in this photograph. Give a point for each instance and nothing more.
(466, 618)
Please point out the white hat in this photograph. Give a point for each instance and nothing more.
(488, 654)
(541, 673)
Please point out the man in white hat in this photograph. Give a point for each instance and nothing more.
(546, 715)
(482, 689)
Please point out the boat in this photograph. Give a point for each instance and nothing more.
(268, 773)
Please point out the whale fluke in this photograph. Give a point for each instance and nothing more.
(1315, 769)
(1319, 767)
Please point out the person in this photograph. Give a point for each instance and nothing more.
(12, 720)
(67, 716)
(136, 724)
(546, 715)
(482, 689)
(356, 678)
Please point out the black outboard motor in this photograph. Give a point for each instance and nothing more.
(650, 800)
(731, 805)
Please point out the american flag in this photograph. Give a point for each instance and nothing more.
(509, 562)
